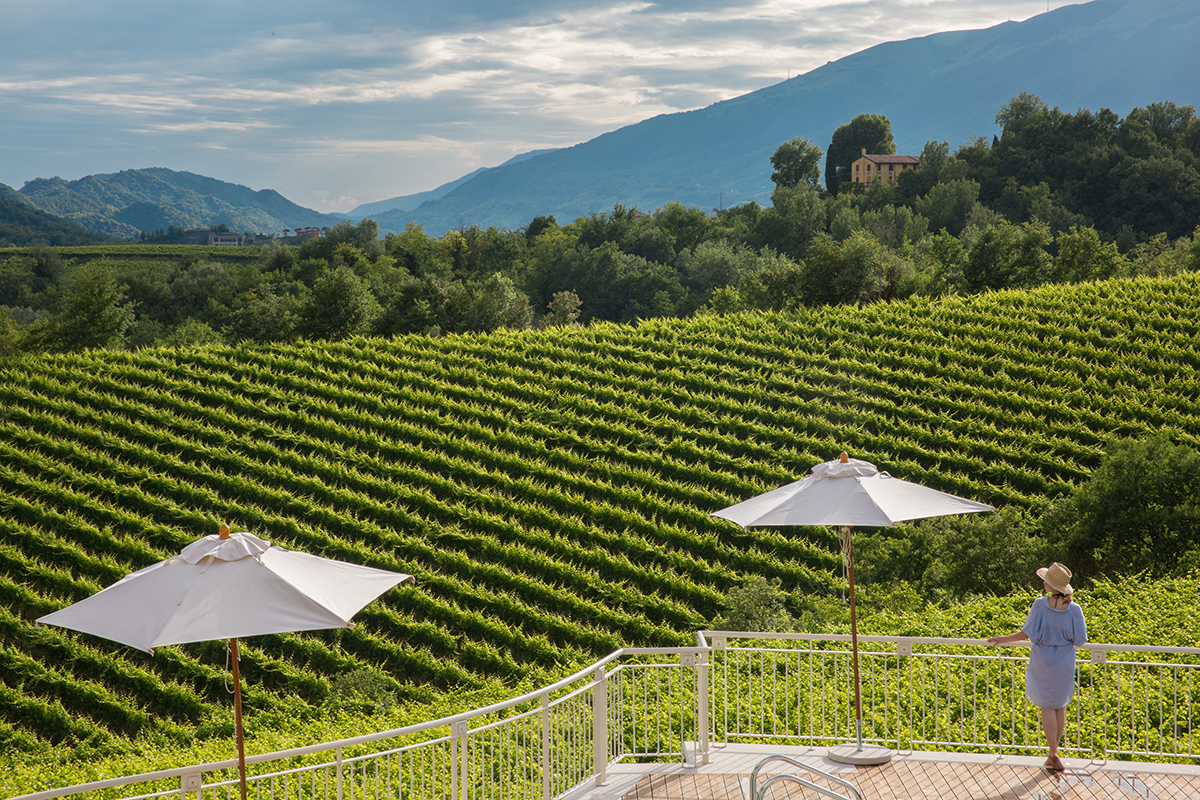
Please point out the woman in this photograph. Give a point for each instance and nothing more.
(1054, 627)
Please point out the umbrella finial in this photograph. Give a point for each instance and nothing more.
(845, 459)
(224, 531)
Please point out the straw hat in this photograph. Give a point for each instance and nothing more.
(1057, 577)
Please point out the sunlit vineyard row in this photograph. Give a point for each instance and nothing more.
(550, 490)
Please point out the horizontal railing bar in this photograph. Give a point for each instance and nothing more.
(845, 637)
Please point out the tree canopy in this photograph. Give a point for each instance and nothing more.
(797, 162)
(870, 131)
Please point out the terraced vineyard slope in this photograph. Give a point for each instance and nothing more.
(550, 490)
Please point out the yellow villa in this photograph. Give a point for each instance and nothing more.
(868, 167)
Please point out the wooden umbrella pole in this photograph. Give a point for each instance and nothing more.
(237, 715)
(854, 640)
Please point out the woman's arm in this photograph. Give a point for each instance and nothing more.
(1012, 638)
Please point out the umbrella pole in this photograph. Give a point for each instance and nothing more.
(854, 641)
(237, 715)
(856, 753)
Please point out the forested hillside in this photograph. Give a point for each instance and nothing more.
(127, 203)
(22, 224)
(550, 490)
(1058, 198)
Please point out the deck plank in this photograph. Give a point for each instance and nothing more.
(933, 780)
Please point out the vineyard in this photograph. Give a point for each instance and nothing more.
(550, 490)
(137, 252)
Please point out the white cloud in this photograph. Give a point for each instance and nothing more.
(382, 98)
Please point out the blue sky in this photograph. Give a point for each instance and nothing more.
(339, 103)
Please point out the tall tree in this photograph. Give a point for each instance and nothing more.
(341, 306)
(870, 131)
(797, 162)
(94, 312)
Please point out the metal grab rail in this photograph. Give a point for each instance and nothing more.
(758, 794)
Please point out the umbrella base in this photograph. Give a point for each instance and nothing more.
(866, 755)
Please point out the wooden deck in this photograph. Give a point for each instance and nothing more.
(908, 776)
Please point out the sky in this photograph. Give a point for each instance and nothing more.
(338, 103)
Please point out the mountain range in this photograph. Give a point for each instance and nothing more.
(123, 204)
(1116, 54)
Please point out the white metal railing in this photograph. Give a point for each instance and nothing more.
(656, 703)
(926, 693)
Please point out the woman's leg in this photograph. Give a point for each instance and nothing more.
(1053, 722)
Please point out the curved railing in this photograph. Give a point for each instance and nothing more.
(674, 703)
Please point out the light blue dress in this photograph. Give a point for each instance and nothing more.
(1053, 636)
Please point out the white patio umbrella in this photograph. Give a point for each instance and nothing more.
(227, 586)
(848, 493)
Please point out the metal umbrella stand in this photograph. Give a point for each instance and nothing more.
(848, 493)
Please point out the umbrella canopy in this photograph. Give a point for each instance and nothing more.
(226, 586)
(847, 493)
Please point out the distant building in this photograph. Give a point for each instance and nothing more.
(232, 239)
(868, 167)
(221, 239)
(307, 233)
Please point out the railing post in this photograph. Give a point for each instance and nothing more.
(719, 643)
(338, 773)
(685, 660)
(702, 701)
(191, 782)
(458, 742)
(545, 747)
(600, 725)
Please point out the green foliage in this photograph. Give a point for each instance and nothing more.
(497, 305)
(955, 558)
(10, 336)
(756, 605)
(1139, 511)
(947, 205)
(857, 270)
(1083, 256)
(1007, 255)
(341, 306)
(797, 162)
(562, 310)
(363, 690)
(92, 314)
(796, 218)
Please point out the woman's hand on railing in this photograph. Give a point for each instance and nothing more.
(1011, 638)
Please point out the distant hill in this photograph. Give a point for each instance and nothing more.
(409, 201)
(1116, 54)
(381, 208)
(125, 203)
(23, 224)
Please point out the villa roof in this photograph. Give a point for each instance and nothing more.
(886, 159)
